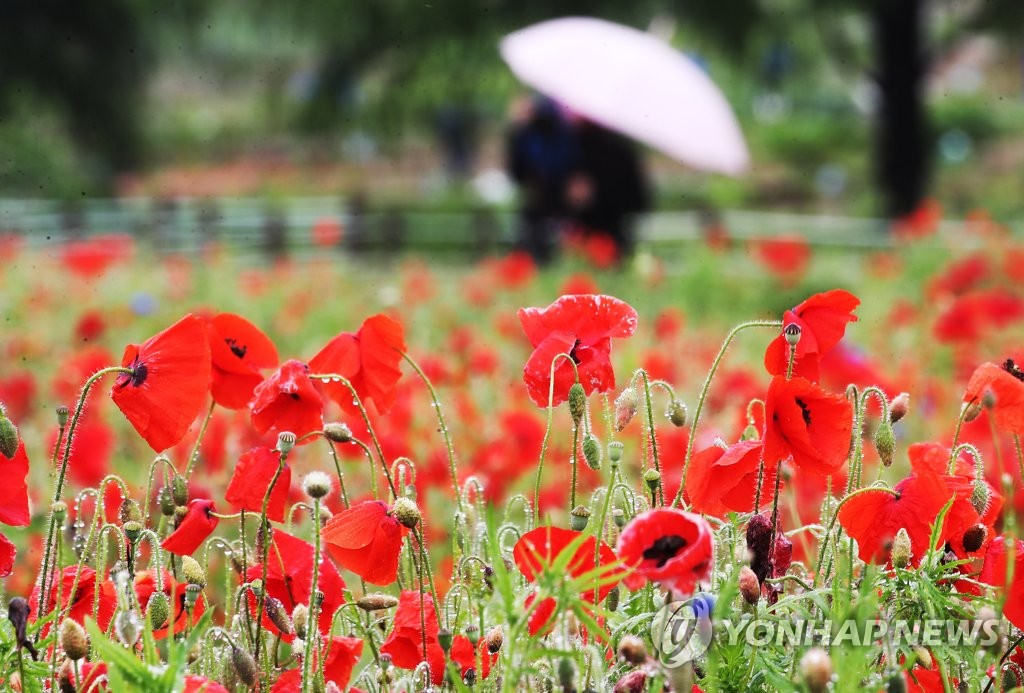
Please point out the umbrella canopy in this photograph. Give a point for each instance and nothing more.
(631, 82)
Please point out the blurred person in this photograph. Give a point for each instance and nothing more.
(541, 153)
(456, 127)
(607, 188)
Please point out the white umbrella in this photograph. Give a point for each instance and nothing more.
(631, 82)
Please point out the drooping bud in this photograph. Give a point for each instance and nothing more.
(750, 433)
(885, 442)
(632, 649)
(300, 618)
(278, 615)
(652, 477)
(244, 666)
(179, 489)
(166, 500)
(592, 452)
(495, 638)
(62, 415)
(192, 571)
(577, 403)
(816, 669)
(750, 587)
(406, 512)
(338, 432)
(127, 627)
(8, 437)
(611, 602)
(970, 411)
(256, 587)
(73, 640)
(316, 485)
(980, 496)
(444, 639)
(899, 406)
(676, 413)
(615, 451)
(578, 518)
(158, 609)
(626, 405)
(133, 531)
(902, 550)
(285, 442)
(792, 333)
(974, 538)
(376, 602)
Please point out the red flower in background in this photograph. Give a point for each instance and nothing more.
(193, 529)
(806, 423)
(994, 573)
(238, 350)
(169, 379)
(287, 401)
(366, 539)
(786, 256)
(8, 552)
(18, 392)
(91, 453)
(251, 479)
(970, 317)
(822, 320)
(721, 480)
(14, 489)
(669, 546)
(342, 656)
(79, 604)
(178, 620)
(368, 359)
(1006, 383)
(583, 327)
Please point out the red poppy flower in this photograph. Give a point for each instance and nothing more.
(971, 316)
(290, 576)
(287, 401)
(18, 392)
(806, 423)
(342, 656)
(994, 573)
(822, 320)
(935, 459)
(91, 453)
(251, 479)
(583, 327)
(178, 619)
(786, 256)
(368, 359)
(78, 604)
(8, 552)
(193, 529)
(169, 378)
(669, 546)
(238, 350)
(201, 684)
(721, 480)
(366, 539)
(14, 489)
(1006, 383)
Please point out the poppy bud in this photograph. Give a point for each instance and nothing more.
(179, 489)
(592, 452)
(974, 538)
(73, 640)
(406, 512)
(619, 518)
(980, 496)
(924, 657)
(60, 511)
(180, 512)
(62, 415)
(8, 437)
(285, 442)
(338, 432)
(750, 587)
(317, 598)
(750, 433)
(578, 518)
(473, 633)
(652, 477)
(129, 511)
(444, 639)
(494, 639)
(300, 618)
(158, 609)
(376, 602)
(899, 406)
(816, 669)
(885, 442)
(611, 602)
(577, 403)
(166, 500)
(970, 411)
(632, 649)
(615, 451)
(626, 405)
(901, 549)
(236, 562)
(633, 682)
(988, 398)
(566, 674)
(128, 628)
(133, 530)
(256, 587)
(316, 485)
(676, 413)
(191, 596)
(193, 572)
(278, 615)
(245, 666)
(264, 534)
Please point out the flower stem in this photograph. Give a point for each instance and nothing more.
(265, 527)
(314, 605)
(547, 432)
(193, 456)
(650, 434)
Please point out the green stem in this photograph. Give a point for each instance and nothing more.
(193, 456)
(265, 525)
(547, 432)
(314, 606)
(573, 461)
(650, 434)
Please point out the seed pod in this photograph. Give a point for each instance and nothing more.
(129, 511)
(816, 669)
(278, 615)
(577, 403)
(285, 442)
(245, 666)
(406, 512)
(578, 518)
(473, 633)
(62, 413)
(444, 639)
(73, 640)
(132, 531)
(632, 650)
(60, 512)
(8, 437)
(652, 477)
(792, 333)
(592, 452)
(615, 451)
(191, 596)
(158, 609)
(316, 485)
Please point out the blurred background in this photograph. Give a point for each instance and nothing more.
(202, 116)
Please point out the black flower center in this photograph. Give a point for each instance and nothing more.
(664, 549)
(236, 348)
(804, 411)
(1010, 367)
(572, 352)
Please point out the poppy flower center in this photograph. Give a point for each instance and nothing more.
(1010, 367)
(572, 352)
(804, 411)
(664, 549)
(236, 349)
(138, 375)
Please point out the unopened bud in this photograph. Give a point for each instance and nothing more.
(129, 511)
(816, 669)
(899, 406)
(244, 666)
(566, 674)
(158, 609)
(676, 413)
(179, 489)
(611, 602)
(885, 442)
(300, 618)
(619, 518)
(652, 477)
(902, 549)
(632, 649)
(278, 615)
(166, 500)
(73, 640)
(615, 451)
(316, 485)
(338, 432)
(285, 442)
(192, 571)
(592, 452)
(626, 405)
(406, 512)
(133, 530)
(974, 538)
(971, 411)
(980, 496)
(376, 602)
(256, 587)
(62, 415)
(8, 437)
(750, 586)
(578, 518)
(577, 403)
(924, 657)
(495, 638)
(750, 433)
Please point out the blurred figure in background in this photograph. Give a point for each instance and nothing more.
(541, 153)
(607, 188)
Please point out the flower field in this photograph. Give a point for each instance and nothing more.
(328, 474)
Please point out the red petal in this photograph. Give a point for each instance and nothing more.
(367, 541)
(193, 530)
(14, 489)
(381, 344)
(251, 479)
(8, 552)
(238, 346)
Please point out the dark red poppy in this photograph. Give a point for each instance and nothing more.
(251, 479)
(366, 539)
(79, 603)
(290, 576)
(722, 480)
(994, 573)
(238, 350)
(168, 382)
(14, 489)
(368, 359)
(1006, 383)
(822, 320)
(178, 618)
(806, 423)
(583, 327)
(287, 401)
(667, 545)
(198, 523)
